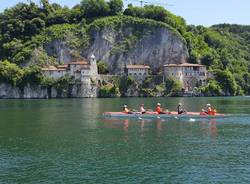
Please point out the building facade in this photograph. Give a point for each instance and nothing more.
(137, 70)
(190, 75)
(54, 72)
(81, 70)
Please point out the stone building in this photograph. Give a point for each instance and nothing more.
(137, 70)
(81, 70)
(190, 75)
(54, 72)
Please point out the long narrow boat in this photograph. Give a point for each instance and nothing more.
(155, 115)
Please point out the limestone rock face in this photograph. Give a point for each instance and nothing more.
(123, 40)
(28, 92)
(60, 50)
(158, 47)
(34, 92)
(7, 91)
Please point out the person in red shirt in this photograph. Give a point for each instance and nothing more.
(159, 109)
(210, 110)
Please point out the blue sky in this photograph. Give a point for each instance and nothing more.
(198, 12)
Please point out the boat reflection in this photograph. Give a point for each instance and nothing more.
(210, 127)
(213, 128)
(160, 125)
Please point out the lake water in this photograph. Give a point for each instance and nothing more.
(68, 141)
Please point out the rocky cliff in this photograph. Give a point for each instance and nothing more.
(133, 41)
(121, 40)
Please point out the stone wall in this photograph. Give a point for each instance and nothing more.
(29, 91)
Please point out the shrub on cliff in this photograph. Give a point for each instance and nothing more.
(147, 92)
(109, 90)
(125, 82)
(212, 89)
(32, 75)
(10, 73)
(63, 84)
(102, 67)
(226, 81)
(172, 86)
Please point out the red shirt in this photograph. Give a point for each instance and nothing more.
(209, 111)
(158, 109)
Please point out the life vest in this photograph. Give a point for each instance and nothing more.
(214, 112)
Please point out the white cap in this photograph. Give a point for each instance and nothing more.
(125, 105)
(208, 105)
(158, 104)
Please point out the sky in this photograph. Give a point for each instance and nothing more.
(197, 12)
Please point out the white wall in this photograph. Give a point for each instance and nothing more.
(55, 74)
(137, 72)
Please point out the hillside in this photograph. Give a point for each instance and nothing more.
(34, 36)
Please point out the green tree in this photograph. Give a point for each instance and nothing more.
(226, 81)
(32, 75)
(116, 7)
(157, 13)
(213, 88)
(47, 8)
(94, 8)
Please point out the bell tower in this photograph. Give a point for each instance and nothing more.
(93, 65)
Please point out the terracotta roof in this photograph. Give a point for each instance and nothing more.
(52, 69)
(80, 62)
(137, 66)
(183, 65)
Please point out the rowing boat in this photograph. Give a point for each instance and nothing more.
(156, 115)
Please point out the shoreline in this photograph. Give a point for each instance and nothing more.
(122, 97)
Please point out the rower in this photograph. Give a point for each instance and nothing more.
(159, 109)
(126, 110)
(142, 109)
(180, 109)
(209, 110)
